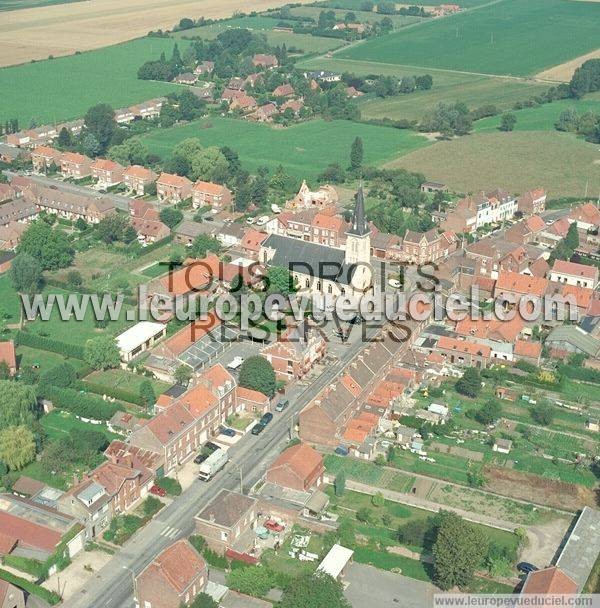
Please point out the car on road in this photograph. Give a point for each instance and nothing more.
(209, 445)
(526, 567)
(282, 405)
(258, 428)
(200, 458)
(266, 418)
(158, 491)
(223, 430)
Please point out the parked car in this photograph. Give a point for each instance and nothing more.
(341, 451)
(272, 525)
(200, 458)
(225, 431)
(209, 445)
(258, 428)
(235, 363)
(158, 491)
(526, 567)
(266, 418)
(282, 405)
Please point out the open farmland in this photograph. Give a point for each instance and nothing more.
(560, 162)
(516, 37)
(72, 84)
(304, 150)
(64, 29)
(361, 16)
(15, 5)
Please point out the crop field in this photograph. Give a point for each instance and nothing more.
(64, 88)
(304, 149)
(541, 118)
(15, 5)
(560, 162)
(513, 37)
(64, 29)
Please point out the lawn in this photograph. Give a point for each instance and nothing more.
(541, 118)
(369, 473)
(517, 37)
(43, 360)
(519, 161)
(9, 300)
(125, 380)
(304, 149)
(71, 85)
(58, 424)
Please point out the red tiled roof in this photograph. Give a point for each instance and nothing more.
(8, 354)
(329, 222)
(169, 179)
(139, 172)
(171, 423)
(583, 295)
(209, 188)
(493, 328)
(179, 565)
(472, 348)
(535, 223)
(550, 580)
(351, 385)
(301, 458)
(578, 270)
(528, 349)
(27, 533)
(253, 239)
(198, 400)
(251, 395)
(104, 164)
(46, 151)
(521, 283)
(196, 275)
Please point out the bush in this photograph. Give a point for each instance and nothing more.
(24, 338)
(170, 485)
(252, 580)
(111, 391)
(48, 596)
(216, 559)
(84, 406)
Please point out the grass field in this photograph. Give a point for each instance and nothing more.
(15, 5)
(518, 161)
(518, 37)
(304, 149)
(541, 118)
(126, 380)
(58, 424)
(9, 300)
(64, 88)
(43, 360)
(361, 16)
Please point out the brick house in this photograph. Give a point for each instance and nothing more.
(265, 61)
(251, 242)
(284, 90)
(525, 231)
(475, 211)
(532, 202)
(528, 351)
(43, 157)
(137, 178)
(300, 468)
(425, 247)
(249, 400)
(172, 579)
(10, 236)
(124, 484)
(296, 352)
(89, 502)
(74, 165)
(124, 116)
(207, 193)
(265, 113)
(173, 188)
(295, 105)
(463, 352)
(20, 210)
(577, 275)
(245, 103)
(107, 172)
(8, 355)
(225, 519)
(70, 205)
(512, 284)
(150, 231)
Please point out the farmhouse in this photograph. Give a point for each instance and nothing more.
(173, 188)
(265, 61)
(186, 78)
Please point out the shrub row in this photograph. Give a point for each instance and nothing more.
(80, 404)
(23, 338)
(48, 596)
(111, 391)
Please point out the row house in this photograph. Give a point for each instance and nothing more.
(11, 234)
(69, 205)
(493, 255)
(44, 157)
(463, 352)
(514, 285)
(172, 188)
(174, 578)
(478, 210)
(525, 231)
(296, 352)
(7, 193)
(149, 109)
(578, 275)
(75, 165)
(90, 503)
(19, 210)
(252, 241)
(217, 196)
(323, 228)
(231, 234)
(532, 202)
(425, 247)
(107, 172)
(123, 116)
(138, 178)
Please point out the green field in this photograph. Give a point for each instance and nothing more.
(361, 16)
(58, 424)
(518, 37)
(15, 5)
(304, 149)
(43, 360)
(541, 118)
(9, 300)
(356, 4)
(518, 161)
(125, 380)
(64, 88)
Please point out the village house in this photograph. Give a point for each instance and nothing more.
(478, 210)
(137, 179)
(149, 109)
(464, 353)
(265, 61)
(296, 352)
(251, 242)
(513, 285)
(229, 95)
(123, 116)
(204, 67)
(44, 157)
(426, 247)
(74, 165)
(107, 172)
(251, 80)
(359, 28)
(9, 154)
(7, 193)
(578, 275)
(69, 205)
(173, 188)
(265, 113)
(217, 196)
(204, 91)
(528, 351)
(532, 202)
(431, 187)
(252, 401)
(187, 231)
(186, 78)
(231, 234)
(172, 579)
(525, 231)
(503, 446)
(353, 93)
(10, 236)
(299, 468)
(283, 90)
(244, 103)
(18, 210)
(295, 105)
(225, 519)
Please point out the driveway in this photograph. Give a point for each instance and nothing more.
(368, 586)
(544, 541)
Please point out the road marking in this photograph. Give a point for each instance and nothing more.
(169, 532)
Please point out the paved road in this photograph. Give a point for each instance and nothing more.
(112, 586)
(122, 202)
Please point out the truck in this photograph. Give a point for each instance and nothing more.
(213, 464)
(235, 363)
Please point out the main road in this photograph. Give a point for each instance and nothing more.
(112, 586)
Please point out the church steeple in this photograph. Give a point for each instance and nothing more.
(359, 227)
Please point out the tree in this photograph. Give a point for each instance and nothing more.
(65, 140)
(203, 600)
(314, 590)
(171, 217)
(4, 370)
(458, 551)
(339, 483)
(489, 413)
(542, 414)
(100, 122)
(25, 274)
(183, 374)
(258, 374)
(147, 394)
(333, 174)
(356, 154)
(424, 82)
(470, 383)
(17, 447)
(102, 352)
(19, 404)
(90, 145)
(74, 278)
(202, 245)
(252, 580)
(49, 246)
(508, 121)
(131, 152)
(112, 227)
(279, 281)
(207, 163)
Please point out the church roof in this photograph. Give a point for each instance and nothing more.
(360, 226)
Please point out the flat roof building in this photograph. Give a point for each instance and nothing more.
(139, 338)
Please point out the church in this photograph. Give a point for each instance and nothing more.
(322, 269)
